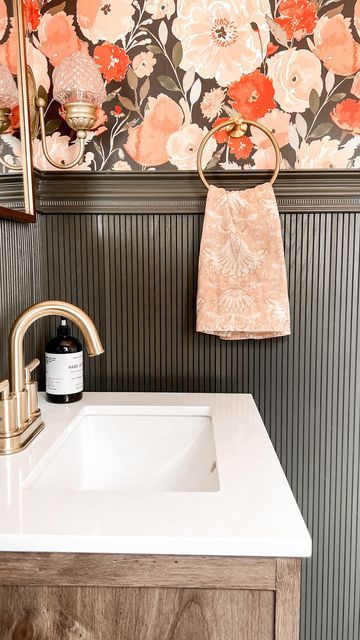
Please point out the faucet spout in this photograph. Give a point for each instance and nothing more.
(33, 313)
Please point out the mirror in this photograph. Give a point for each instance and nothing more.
(16, 170)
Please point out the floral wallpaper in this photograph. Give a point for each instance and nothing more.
(10, 140)
(172, 70)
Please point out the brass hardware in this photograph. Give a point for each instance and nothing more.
(7, 409)
(80, 115)
(75, 116)
(31, 387)
(20, 417)
(33, 112)
(238, 128)
(24, 101)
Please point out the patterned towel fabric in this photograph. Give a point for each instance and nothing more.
(242, 287)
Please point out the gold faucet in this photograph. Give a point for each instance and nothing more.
(20, 416)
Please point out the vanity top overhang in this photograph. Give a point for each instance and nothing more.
(247, 510)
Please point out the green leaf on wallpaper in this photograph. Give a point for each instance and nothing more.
(144, 90)
(314, 101)
(52, 126)
(336, 97)
(321, 130)
(111, 96)
(278, 32)
(334, 11)
(127, 103)
(168, 83)
(132, 79)
(154, 48)
(177, 54)
(57, 8)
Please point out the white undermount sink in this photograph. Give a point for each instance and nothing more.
(130, 448)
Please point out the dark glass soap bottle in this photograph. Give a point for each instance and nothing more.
(64, 367)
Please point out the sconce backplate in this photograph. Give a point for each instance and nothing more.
(33, 112)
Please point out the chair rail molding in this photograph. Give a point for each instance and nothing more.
(322, 191)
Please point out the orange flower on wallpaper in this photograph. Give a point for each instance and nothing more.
(32, 14)
(239, 147)
(335, 45)
(297, 17)
(271, 49)
(3, 18)
(112, 61)
(57, 37)
(252, 95)
(346, 115)
(146, 144)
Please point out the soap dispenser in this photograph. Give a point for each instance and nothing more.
(64, 367)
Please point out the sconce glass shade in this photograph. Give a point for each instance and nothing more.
(78, 79)
(8, 89)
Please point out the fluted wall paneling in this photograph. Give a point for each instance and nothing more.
(20, 284)
(136, 276)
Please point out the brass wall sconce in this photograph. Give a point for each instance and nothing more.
(79, 88)
(8, 100)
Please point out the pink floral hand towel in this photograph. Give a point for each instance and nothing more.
(242, 288)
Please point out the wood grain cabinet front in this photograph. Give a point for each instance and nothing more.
(62, 596)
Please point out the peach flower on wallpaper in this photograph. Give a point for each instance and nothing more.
(39, 66)
(57, 37)
(160, 9)
(61, 150)
(110, 20)
(3, 18)
(182, 147)
(357, 16)
(146, 144)
(278, 123)
(326, 153)
(212, 103)
(335, 45)
(218, 38)
(143, 64)
(295, 72)
(8, 50)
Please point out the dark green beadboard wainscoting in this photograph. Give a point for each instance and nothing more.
(131, 262)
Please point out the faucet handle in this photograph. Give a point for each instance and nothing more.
(29, 368)
(32, 388)
(7, 409)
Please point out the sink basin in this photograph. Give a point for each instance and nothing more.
(130, 448)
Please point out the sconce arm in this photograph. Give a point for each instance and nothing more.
(81, 135)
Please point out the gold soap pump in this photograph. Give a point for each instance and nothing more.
(20, 416)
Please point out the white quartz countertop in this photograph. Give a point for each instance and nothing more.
(253, 513)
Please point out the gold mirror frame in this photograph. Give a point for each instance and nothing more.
(28, 214)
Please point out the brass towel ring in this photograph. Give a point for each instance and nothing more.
(236, 131)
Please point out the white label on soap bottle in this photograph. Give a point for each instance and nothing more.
(64, 373)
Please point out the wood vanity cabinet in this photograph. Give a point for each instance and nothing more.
(73, 596)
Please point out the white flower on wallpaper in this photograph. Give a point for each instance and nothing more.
(294, 74)
(173, 70)
(219, 39)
